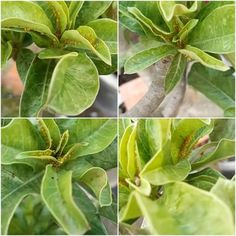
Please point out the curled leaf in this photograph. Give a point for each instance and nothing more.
(204, 58)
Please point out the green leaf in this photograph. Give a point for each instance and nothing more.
(141, 185)
(89, 210)
(218, 39)
(218, 151)
(96, 179)
(186, 135)
(86, 38)
(132, 155)
(204, 58)
(168, 173)
(36, 87)
(78, 167)
(146, 58)
(124, 192)
(23, 61)
(209, 7)
(170, 9)
(175, 72)
(149, 10)
(97, 133)
(6, 50)
(74, 8)
(95, 44)
(156, 216)
(74, 85)
(18, 181)
(66, 10)
(225, 190)
(231, 58)
(56, 190)
(109, 212)
(160, 159)
(56, 14)
(204, 179)
(106, 159)
(29, 17)
(54, 132)
(123, 124)
(155, 30)
(207, 209)
(204, 206)
(129, 22)
(223, 128)
(217, 86)
(126, 229)
(41, 40)
(18, 136)
(102, 67)
(100, 159)
(185, 31)
(21, 136)
(152, 134)
(40, 155)
(55, 53)
(106, 29)
(45, 133)
(26, 219)
(229, 112)
(91, 11)
(123, 151)
(62, 144)
(5, 121)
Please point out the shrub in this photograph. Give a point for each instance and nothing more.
(172, 34)
(165, 177)
(77, 42)
(54, 177)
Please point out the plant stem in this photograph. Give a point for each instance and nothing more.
(155, 94)
(171, 104)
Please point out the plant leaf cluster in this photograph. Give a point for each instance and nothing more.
(185, 31)
(61, 165)
(164, 176)
(77, 42)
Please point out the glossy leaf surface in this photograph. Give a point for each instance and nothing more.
(96, 179)
(220, 151)
(57, 189)
(29, 17)
(168, 173)
(97, 134)
(175, 72)
(204, 179)
(106, 29)
(91, 11)
(205, 207)
(86, 38)
(225, 190)
(216, 32)
(36, 87)
(204, 58)
(172, 8)
(56, 14)
(74, 85)
(23, 62)
(146, 58)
